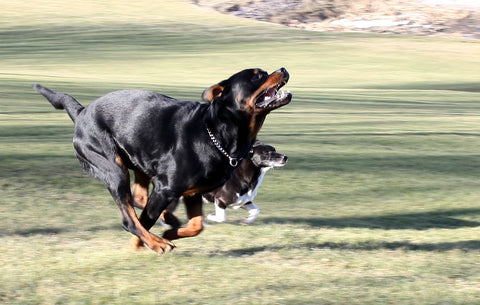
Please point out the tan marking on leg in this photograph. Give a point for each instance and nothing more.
(140, 189)
(152, 241)
(121, 164)
(136, 243)
(194, 225)
(193, 228)
(119, 161)
(170, 219)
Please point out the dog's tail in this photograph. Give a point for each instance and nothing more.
(61, 101)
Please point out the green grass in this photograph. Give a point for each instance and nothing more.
(377, 205)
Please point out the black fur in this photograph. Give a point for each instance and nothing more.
(165, 140)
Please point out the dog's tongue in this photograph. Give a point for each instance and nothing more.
(268, 97)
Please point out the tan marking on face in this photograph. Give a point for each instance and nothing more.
(258, 114)
(273, 80)
(256, 123)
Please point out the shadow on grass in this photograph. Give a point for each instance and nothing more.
(55, 230)
(414, 221)
(467, 245)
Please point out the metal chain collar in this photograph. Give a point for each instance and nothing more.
(233, 161)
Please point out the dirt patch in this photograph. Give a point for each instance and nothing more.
(410, 17)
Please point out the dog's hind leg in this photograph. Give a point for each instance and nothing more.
(140, 189)
(253, 211)
(111, 170)
(194, 206)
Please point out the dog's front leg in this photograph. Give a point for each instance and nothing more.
(157, 202)
(194, 207)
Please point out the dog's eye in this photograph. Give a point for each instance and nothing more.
(257, 77)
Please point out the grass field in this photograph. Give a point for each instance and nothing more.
(379, 203)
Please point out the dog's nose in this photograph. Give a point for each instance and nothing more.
(284, 72)
(285, 158)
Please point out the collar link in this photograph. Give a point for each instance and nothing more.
(232, 161)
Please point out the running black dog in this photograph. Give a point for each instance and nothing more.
(183, 148)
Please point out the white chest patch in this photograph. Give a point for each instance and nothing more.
(250, 195)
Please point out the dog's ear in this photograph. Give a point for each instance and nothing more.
(257, 143)
(213, 92)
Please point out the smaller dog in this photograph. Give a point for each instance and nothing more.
(240, 190)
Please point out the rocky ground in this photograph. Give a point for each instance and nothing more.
(412, 17)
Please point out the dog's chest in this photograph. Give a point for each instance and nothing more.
(251, 193)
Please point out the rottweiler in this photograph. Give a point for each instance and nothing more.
(182, 148)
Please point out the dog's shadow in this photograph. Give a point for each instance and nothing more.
(466, 246)
(410, 221)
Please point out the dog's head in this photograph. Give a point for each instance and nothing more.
(263, 155)
(253, 92)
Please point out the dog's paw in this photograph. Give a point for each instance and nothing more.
(161, 245)
(252, 215)
(136, 244)
(216, 218)
(157, 244)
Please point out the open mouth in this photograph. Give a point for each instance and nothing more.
(269, 94)
(274, 163)
(273, 98)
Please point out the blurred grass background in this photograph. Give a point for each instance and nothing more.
(377, 205)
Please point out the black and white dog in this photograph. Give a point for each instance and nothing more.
(240, 190)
